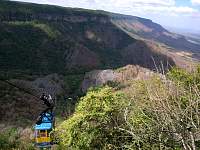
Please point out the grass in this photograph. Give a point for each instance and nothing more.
(15, 138)
(52, 33)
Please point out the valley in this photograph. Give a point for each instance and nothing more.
(66, 51)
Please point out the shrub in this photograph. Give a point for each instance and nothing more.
(152, 114)
(95, 121)
(11, 139)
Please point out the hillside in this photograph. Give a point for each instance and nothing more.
(39, 41)
(146, 29)
(66, 39)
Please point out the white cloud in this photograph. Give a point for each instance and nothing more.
(183, 11)
(113, 2)
(195, 2)
(143, 7)
(130, 3)
(123, 6)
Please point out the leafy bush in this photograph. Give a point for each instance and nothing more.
(95, 121)
(154, 114)
(185, 78)
(11, 139)
(165, 113)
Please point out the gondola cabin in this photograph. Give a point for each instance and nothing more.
(43, 130)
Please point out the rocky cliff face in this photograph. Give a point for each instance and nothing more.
(101, 77)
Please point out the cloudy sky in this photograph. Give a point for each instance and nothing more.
(182, 14)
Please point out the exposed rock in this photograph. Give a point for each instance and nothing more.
(101, 77)
(97, 77)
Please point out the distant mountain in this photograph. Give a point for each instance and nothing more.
(183, 30)
(191, 35)
(37, 41)
(146, 29)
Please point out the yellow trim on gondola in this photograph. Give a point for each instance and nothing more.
(42, 136)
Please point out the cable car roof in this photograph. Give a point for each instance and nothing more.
(43, 126)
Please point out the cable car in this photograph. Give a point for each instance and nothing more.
(46, 122)
(43, 130)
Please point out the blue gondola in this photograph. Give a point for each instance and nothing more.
(43, 130)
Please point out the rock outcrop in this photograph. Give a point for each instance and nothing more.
(101, 77)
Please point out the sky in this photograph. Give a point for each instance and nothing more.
(180, 14)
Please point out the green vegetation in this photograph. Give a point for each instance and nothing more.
(149, 114)
(73, 81)
(13, 139)
(93, 123)
(180, 76)
(152, 114)
(44, 27)
(33, 54)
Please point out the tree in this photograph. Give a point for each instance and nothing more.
(95, 122)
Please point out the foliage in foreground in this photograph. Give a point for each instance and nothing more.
(95, 122)
(13, 138)
(155, 114)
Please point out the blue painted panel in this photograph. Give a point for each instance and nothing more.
(43, 126)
